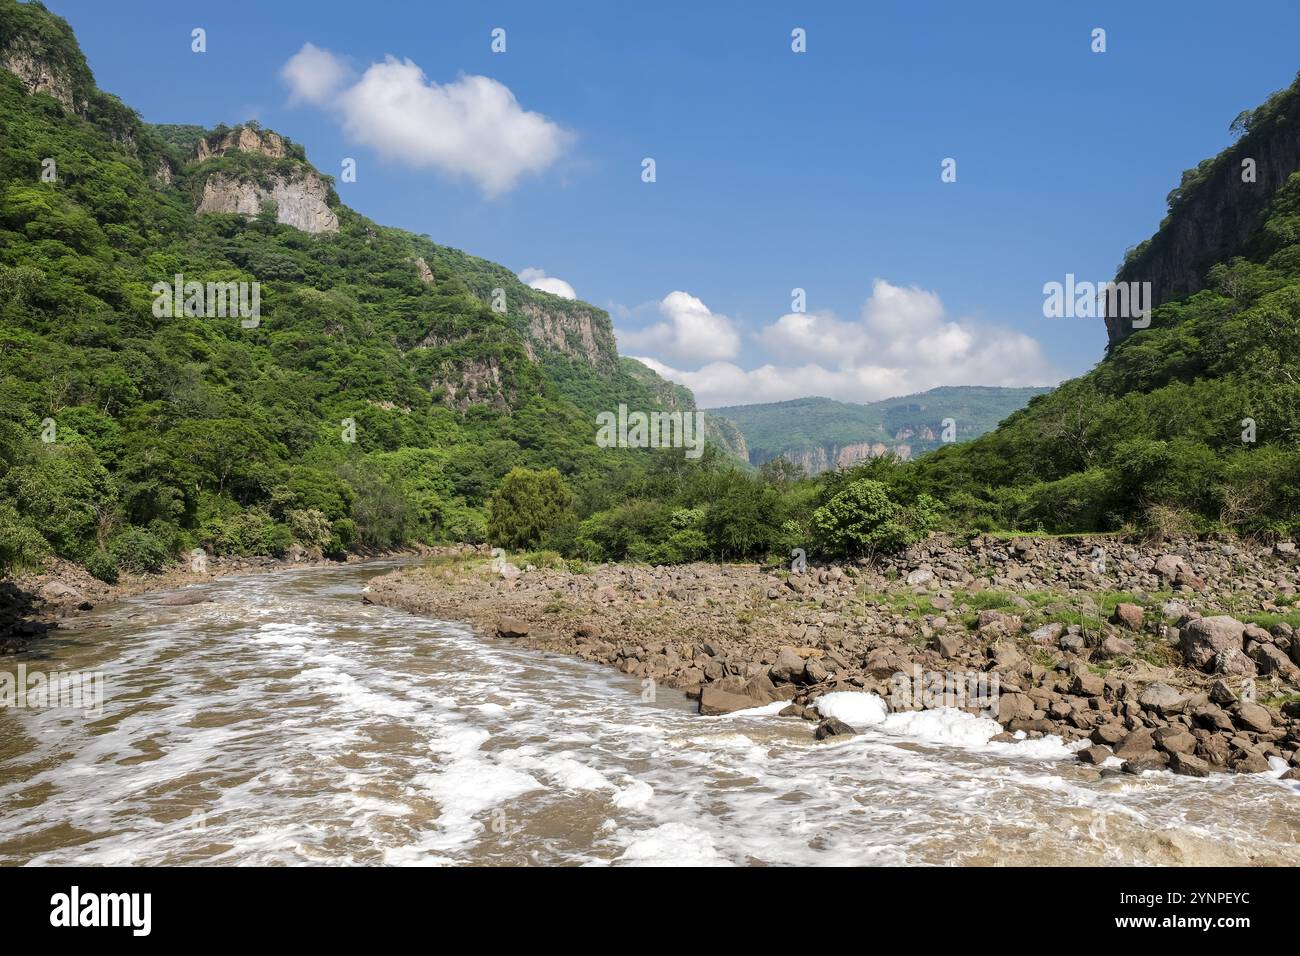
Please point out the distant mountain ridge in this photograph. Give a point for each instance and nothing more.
(821, 433)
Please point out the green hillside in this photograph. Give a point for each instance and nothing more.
(812, 430)
(1158, 435)
(378, 400)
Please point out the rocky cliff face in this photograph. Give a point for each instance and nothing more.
(576, 332)
(40, 74)
(821, 458)
(727, 435)
(243, 140)
(300, 194)
(1213, 215)
(473, 382)
(300, 202)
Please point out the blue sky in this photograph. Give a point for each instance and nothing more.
(775, 170)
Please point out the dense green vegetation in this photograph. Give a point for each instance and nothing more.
(370, 408)
(127, 438)
(784, 428)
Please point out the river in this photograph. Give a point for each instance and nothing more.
(286, 722)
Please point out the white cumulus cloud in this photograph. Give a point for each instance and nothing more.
(314, 75)
(538, 279)
(902, 342)
(688, 331)
(472, 127)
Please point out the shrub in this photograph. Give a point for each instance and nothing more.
(309, 526)
(527, 506)
(21, 545)
(102, 565)
(744, 518)
(863, 520)
(247, 533)
(138, 550)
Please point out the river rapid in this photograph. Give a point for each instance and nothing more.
(286, 722)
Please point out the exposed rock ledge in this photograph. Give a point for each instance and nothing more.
(299, 202)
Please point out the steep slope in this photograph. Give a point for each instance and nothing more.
(820, 433)
(376, 396)
(1219, 207)
(1192, 423)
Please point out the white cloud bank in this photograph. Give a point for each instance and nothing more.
(902, 343)
(472, 127)
(538, 279)
(688, 332)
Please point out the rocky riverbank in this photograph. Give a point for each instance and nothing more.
(32, 605)
(1180, 656)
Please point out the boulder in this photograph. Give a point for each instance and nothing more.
(833, 727)
(1096, 754)
(1254, 717)
(715, 701)
(1151, 760)
(1135, 743)
(1014, 706)
(989, 618)
(788, 667)
(1048, 634)
(1088, 684)
(511, 627)
(814, 672)
(1211, 717)
(1248, 761)
(1174, 740)
(948, 645)
(1162, 699)
(1115, 646)
(1270, 659)
(1204, 639)
(1222, 693)
(1189, 765)
(1110, 734)
(1129, 616)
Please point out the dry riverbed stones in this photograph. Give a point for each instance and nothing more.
(1188, 684)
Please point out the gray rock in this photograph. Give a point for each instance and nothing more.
(788, 667)
(1189, 766)
(1254, 717)
(511, 627)
(1096, 754)
(1048, 633)
(833, 727)
(1208, 637)
(1162, 699)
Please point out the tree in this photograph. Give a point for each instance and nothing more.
(864, 520)
(527, 507)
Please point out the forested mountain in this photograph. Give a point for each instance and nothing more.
(821, 433)
(378, 398)
(387, 389)
(1193, 422)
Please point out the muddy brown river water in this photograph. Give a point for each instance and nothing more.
(285, 722)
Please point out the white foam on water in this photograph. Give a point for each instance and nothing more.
(670, 844)
(858, 710)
